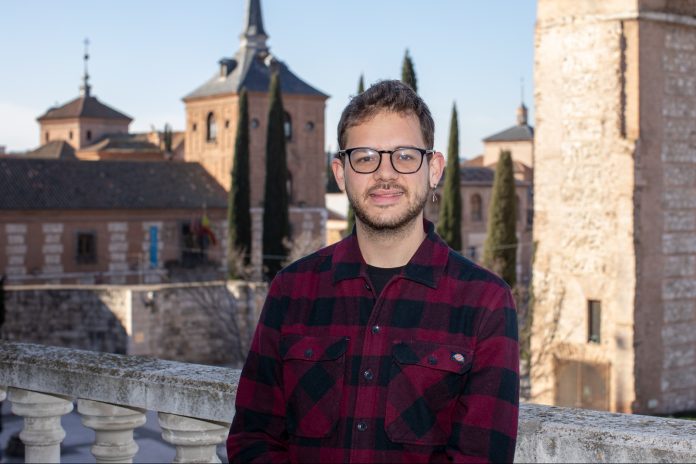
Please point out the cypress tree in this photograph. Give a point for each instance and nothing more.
(500, 248)
(276, 223)
(351, 212)
(450, 220)
(408, 73)
(238, 215)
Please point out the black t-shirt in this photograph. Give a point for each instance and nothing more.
(379, 276)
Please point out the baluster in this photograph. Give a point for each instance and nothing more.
(113, 426)
(195, 439)
(42, 432)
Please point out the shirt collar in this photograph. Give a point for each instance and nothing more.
(426, 266)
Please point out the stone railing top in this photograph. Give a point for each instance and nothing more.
(553, 434)
(194, 390)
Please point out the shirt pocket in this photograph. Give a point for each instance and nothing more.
(424, 384)
(313, 376)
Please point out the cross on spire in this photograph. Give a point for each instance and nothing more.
(85, 87)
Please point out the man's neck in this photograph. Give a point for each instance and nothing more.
(391, 248)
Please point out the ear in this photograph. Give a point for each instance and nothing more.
(437, 166)
(339, 173)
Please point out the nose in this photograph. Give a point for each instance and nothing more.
(385, 171)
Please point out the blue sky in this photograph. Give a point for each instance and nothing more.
(146, 55)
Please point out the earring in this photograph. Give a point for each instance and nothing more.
(434, 196)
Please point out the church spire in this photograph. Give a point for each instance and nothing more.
(254, 36)
(522, 110)
(85, 87)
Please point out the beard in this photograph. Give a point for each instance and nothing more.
(389, 225)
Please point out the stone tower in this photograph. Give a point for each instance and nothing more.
(615, 205)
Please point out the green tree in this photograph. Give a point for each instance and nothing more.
(500, 248)
(238, 215)
(167, 138)
(450, 220)
(276, 223)
(408, 73)
(351, 212)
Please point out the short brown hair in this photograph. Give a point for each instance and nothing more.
(389, 95)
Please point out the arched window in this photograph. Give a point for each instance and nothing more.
(211, 128)
(89, 135)
(287, 126)
(476, 208)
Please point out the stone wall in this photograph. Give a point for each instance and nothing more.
(208, 323)
(667, 320)
(583, 223)
(615, 204)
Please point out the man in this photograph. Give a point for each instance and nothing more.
(387, 346)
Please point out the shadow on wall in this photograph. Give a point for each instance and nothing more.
(71, 318)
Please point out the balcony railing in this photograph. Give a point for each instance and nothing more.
(195, 406)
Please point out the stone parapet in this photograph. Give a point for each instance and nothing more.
(196, 405)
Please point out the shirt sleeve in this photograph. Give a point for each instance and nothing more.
(485, 420)
(258, 431)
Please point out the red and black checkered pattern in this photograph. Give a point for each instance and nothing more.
(426, 372)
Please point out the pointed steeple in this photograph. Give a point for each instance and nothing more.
(85, 87)
(522, 110)
(254, 36)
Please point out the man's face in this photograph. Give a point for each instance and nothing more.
(386, 199)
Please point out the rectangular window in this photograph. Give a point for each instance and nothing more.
(594, 318)
(86, 248)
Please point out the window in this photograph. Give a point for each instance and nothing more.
(211, 128)
(70, 135)
(594, 317)
(255, 123)
(86, 248)
(287, 126)
(194, 127)
(476, 208)
(227, 123)
(309, 127)
(47, 137)
(89, 135)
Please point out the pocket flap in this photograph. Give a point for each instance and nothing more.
(448, 358)
(312, 348)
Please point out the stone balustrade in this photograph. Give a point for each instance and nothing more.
(195, 403)
(195, 406)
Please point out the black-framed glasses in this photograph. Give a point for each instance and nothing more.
(404, 160)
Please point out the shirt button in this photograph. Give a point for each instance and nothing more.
(432, 360)
(368, 374)
(367, 287)
(308, 353)
(362, 426)
(375, 329)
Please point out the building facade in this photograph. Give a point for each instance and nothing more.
(615, 205)
(109, 222)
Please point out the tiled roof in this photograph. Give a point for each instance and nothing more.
(55, 149)
(476, 174)
(254, 73)
(124, 142)
(84, 107)
(520, 132)
(37, 184)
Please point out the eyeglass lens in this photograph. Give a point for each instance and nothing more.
(403, 160)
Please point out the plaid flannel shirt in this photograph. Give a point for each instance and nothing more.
(428, 371)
